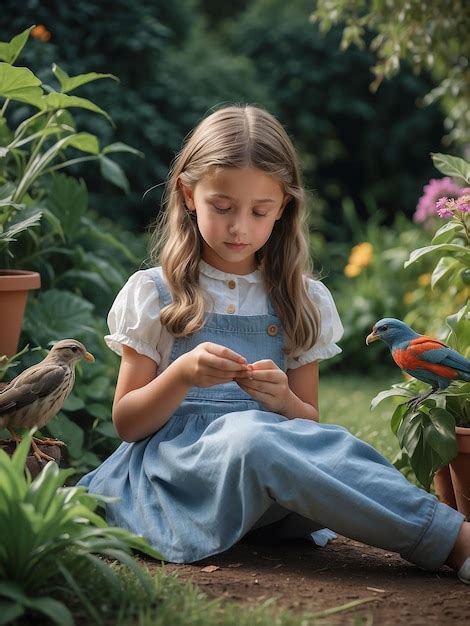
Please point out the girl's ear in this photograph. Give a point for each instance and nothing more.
(188, 195)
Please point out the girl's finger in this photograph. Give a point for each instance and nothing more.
(265, 388)
(255, 393)
(225, 353)
(211, 360)
(265, 364)
(225, 374)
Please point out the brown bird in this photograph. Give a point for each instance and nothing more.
(38, 393)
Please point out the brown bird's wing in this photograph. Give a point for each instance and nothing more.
(35, 382)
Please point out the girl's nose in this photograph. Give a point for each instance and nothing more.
(238, 226)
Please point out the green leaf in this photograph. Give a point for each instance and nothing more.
(69, 83)
(10, 51)
(86, 142)
(397, 417)
(73, 403)
(445, 268)
(55, 313)
(446, 232)
(121, 147)
(390, 393)
(55, 100)
(61, 427)
(53, 609)
(17, 227)
(439, 433)
(68, 200)
(106, 428)
(114, 173)
(452, 166)
(19, 83)
(460, 251)
(410, 431)
(9, 611)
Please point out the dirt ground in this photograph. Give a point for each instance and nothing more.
(307, 579)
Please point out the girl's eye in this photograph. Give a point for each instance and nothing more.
(259, 214)
(220, 209)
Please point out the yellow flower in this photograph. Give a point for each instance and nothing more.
(361, 254)
(40, 32)
(351, 271)
(424, 280)
(409, 298)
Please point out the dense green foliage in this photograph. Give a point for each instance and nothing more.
(46, 225)
(430, 36)
(175, 62)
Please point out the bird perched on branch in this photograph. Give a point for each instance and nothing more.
(425, 358)
(38, 393)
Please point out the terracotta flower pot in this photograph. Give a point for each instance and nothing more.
(460, 471)
(452, 483)
(14, 287)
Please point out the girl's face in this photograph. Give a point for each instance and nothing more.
(236, 209)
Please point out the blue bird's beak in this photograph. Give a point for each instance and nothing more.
(371, 338)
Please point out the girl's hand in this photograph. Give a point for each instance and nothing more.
(211, 364)
(268, 384)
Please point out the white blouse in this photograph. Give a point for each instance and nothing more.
(134, 318)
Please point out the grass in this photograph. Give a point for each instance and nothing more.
(179, 603)
(345, 400)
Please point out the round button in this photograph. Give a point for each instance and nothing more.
(232, 284)
(272, 330)
(231, 308)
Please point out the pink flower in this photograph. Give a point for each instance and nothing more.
(432, 192)
(444, 207)
(463, 203)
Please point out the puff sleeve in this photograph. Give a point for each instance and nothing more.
(134, 318)
(331, 328)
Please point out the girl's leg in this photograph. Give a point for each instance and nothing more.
(325, 474)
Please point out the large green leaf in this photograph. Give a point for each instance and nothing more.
(55, 100)
(452, 166)
(53, 609)
(70, 433)
(446, 268)
(460, 251)
(9, 51)
(439, 433)
(19, 83)
(68, 200)
(10, 611)
(69, 83)
(56, 314)
(114, 173)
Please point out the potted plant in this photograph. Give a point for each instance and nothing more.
(30, 155)
(435, 434)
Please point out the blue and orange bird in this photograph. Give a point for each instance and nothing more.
(425, 358)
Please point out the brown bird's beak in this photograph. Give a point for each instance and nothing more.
(89, 357)
(371, 338)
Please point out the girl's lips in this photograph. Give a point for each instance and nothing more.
(236, 246)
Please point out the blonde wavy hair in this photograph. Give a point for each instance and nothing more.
(237, 136)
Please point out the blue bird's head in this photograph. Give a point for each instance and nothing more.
(391, 331)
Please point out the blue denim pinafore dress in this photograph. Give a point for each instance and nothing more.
(222, 466)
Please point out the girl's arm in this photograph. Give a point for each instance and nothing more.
(143, 401)
(293, 394)
(303, 383)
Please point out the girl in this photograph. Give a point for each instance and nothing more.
(217, 395)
